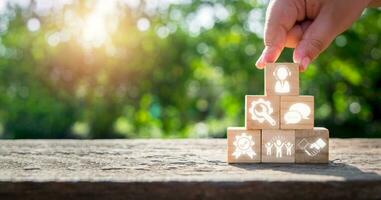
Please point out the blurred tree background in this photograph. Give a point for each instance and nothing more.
(165, 68)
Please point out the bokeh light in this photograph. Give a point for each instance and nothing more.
(165, 68)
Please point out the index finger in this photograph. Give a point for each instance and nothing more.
(281, 16)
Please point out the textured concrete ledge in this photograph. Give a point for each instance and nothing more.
(179, 169)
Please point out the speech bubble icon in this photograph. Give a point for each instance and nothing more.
(301, 108)
(292, 117)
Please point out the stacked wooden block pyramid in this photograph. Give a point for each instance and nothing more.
(279, 125)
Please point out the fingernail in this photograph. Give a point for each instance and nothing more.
(259, 62)
(305, 62)
(297, 59)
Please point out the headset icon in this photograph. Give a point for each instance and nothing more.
(281, 67)
(281, 73)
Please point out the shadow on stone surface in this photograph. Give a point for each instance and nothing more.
(336, 169)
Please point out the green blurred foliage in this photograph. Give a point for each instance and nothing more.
(166, 69)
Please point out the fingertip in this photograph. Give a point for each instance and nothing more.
(301, 69)
(260, 64)
(304, 64)
(297, 56)
(269, 55)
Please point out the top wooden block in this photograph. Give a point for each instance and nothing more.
(282, 79)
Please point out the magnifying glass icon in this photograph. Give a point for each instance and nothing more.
(261, 111)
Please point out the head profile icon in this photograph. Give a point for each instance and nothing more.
(281, 74)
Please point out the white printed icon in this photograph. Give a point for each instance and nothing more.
(268, 147)
(312, 149)
(244, 145)
(281, 74)
(296, 113)
(280, 144)
(261, 111)
(278, 147)
(289, 148)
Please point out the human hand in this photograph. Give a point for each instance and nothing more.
(311, 150)
(309, 26)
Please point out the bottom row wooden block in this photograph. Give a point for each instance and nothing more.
(278, 146)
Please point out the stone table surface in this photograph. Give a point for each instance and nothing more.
(179, 169)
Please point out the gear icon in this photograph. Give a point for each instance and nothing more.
(264, 113)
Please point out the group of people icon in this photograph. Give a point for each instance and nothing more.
(279, 146)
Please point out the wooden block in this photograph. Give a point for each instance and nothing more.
(296, 112)
(244, 146)
(312, 145)
(282, 79)
(262, 112)
(278, 146)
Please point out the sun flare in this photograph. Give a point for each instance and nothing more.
(94, 32)
(99, 24)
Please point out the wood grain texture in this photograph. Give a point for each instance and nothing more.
(304, 152)
(277, 151)
(234, 145)
(286, 102)
(250, 123)
(179, 169)
(272, 80)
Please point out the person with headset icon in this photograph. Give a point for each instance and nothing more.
(281, 74)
